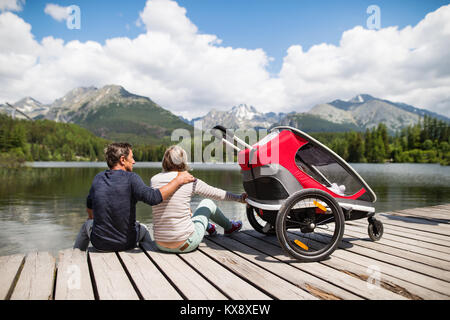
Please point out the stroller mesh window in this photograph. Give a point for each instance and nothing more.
(322, 167)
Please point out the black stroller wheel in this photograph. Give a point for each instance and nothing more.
(375, 229)
(310, 225)
(257, 223)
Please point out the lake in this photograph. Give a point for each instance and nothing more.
(42, 207)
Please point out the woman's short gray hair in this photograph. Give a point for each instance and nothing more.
(175, 159)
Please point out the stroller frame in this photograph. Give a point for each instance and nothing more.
(276, 185)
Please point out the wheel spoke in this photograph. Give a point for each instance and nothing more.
(323, 222)
(297, 222)
(315, 221)
(258, 223)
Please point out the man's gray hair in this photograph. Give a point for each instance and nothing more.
(114, 151)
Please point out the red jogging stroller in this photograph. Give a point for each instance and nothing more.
(301, 191)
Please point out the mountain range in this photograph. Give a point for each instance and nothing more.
(110, 112)
(114, 113)
(239, 117)
(357, 114)
(365, 112)
(26, 108)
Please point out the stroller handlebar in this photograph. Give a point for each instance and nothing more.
(225, 134)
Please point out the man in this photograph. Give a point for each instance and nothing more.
(111, 203)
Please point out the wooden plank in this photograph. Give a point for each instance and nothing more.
(186, 279)
(411, 233)
(431, 225)
(272, 259)
(427, 213)
(361, 257)
(437, 209)
(37, 278)
(73, 281)
(445, 207)
(411, 252)
(403, 238)
(357, 288)
(232, 285)
(10, 266)
(347, 243)
(365, 272)
(444, 211)
(150, 282)
(268, 257)
(417, 224)
(387, 267)
(350, 264)
(423, 215)
(425, 281)
(435, 212)
(261, 278)
(406, 253)
(310, 283)
(110, 278)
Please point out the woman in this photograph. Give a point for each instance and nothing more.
(175, 228)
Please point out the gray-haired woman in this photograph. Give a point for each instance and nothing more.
(176, 229)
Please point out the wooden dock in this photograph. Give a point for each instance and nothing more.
(411, 261)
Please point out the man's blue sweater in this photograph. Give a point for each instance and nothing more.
(113, 197)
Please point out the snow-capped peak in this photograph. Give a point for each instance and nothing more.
(361, 98)
(28, 104)
(244, 112)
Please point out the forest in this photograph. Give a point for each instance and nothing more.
(428, 141)
(42, 140)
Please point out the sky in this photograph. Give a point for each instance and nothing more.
(190, 56)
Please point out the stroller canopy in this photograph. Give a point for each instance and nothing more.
(312, 164)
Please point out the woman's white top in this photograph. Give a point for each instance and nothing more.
(172, 217)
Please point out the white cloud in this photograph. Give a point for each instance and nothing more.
(410, 65)
(168, 17)
(11, 5)
(189, 73)
(18, 54)
(57, 12)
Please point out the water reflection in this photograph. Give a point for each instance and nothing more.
(43, 208)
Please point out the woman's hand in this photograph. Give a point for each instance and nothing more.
(243, 197)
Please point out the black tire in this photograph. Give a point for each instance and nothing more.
(375, 229)
(319, 243)
(256, 222)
